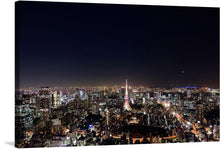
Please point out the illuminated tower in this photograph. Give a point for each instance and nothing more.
(126, 104)
(107, 116)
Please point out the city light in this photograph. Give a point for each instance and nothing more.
(83, 121)
(109, 74)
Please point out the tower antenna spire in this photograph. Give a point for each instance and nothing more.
(126, 104)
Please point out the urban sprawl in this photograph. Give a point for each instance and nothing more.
(53, 117)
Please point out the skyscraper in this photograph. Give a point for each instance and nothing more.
(23, 119)
(126, 104)
(45, 102)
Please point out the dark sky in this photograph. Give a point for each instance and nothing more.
(71, 44)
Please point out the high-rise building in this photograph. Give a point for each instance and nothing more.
(158, 96)
(126, 104)
(56, 99)
(23, 119)
(148, 95)
(199, 112)
(35, 104)
(45, 102)
(107, 116)
(188, 93)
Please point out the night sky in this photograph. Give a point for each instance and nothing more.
(72, 44)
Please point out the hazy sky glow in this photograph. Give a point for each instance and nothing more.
(70, 44)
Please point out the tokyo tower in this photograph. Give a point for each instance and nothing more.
(126, 104)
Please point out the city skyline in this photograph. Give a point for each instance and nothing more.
(114, 116)
(109, 74)
(73, 44)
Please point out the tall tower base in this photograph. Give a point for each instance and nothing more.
(126, 104)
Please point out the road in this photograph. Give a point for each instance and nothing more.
(179, 117)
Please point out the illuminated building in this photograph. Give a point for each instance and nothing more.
(19, 129)
(133, 120)
(199, 112)
(148, 95)
(158, 96)
(26, 98)
(34, 104)
(56, 99)
(23, 119)
(94, 109)
(45, 103)
(81, 92)
(126, 104)
(107, 116)
(188, 93)
(143, 100)
(95, 95)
